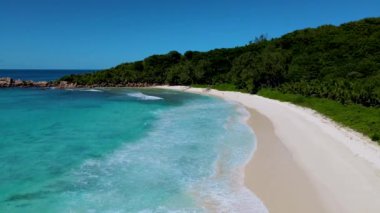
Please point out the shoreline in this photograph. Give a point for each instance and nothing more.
(305, 162)
(265, 173)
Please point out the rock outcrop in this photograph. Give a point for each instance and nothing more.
(6, 82)
(9, 82)
(66, 85)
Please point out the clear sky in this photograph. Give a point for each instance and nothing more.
(95, 34)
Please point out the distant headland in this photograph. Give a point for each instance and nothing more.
(7, 82)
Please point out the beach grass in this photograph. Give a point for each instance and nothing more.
(363, 119)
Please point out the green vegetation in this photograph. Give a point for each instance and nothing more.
(336, 63)
(221, 87)
(360, 118)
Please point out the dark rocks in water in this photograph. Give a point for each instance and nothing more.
(41, 83)
(6, 82)
(28, 196)
(107, 84)
(9, 82)
(18, 83)
(140, 84)
(66, 85)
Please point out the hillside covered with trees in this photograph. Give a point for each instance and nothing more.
(340, 63)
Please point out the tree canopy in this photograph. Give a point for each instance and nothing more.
(335, 62)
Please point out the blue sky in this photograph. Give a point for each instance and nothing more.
(95, 34)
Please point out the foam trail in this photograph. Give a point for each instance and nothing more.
(142, 96)
(91, 90)
(84, 90)
(224, 190)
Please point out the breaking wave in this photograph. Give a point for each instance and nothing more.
(142, 96)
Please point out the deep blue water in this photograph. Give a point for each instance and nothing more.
(39, 75)
(122, 150)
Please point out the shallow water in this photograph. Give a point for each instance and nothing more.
(122, 150)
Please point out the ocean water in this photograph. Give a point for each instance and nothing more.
(122, 150)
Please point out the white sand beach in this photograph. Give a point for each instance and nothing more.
(305, 162)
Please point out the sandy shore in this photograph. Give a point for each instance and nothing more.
(274, 176)
(305, 162)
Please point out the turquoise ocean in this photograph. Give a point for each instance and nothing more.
(122, 150)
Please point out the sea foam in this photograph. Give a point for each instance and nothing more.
(142, 96)
(91, 90)
(108, 160)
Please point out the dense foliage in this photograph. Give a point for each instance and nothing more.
(335, 62)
